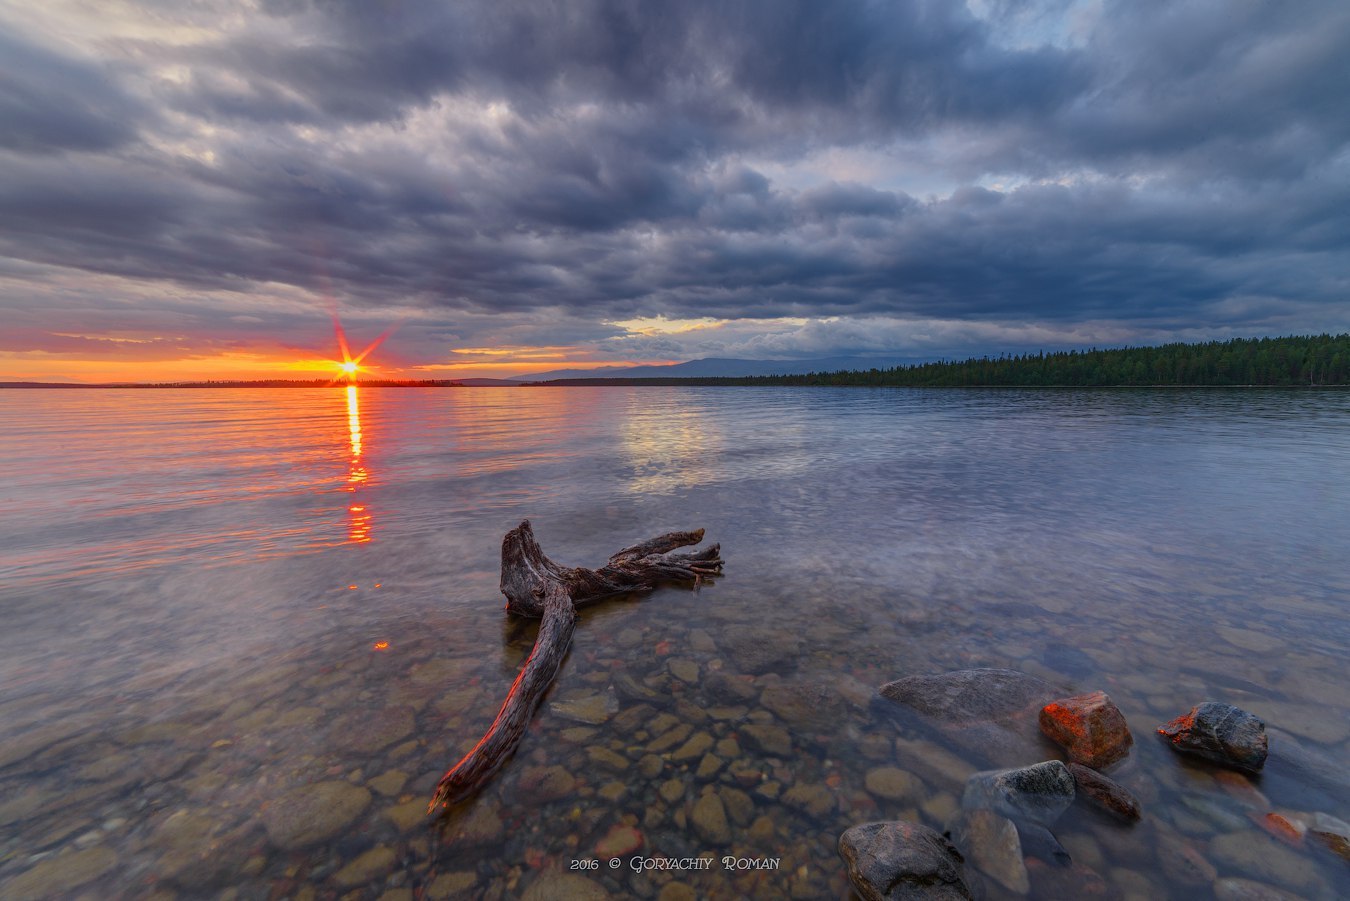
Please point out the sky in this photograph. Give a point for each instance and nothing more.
(196, 189)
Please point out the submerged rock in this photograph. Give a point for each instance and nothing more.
(1222, 733)
(709, 817)
(1090, 727)
(1105, 793)
(1249, 890)
(1037, 793)
(903, 862)
(1332, 832)
(973, 695)
(994, 848)
(990, 712)
(313, 813)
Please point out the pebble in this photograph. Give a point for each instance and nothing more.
(451, 885)
(771, 740)
(59, 875)
(816, 800)
(1249, 890)
(555, 885)
(684, 670)
(1258, 855)
(606, 758)
(546, 783)
(313, 813)
(620, 841)
(696, 746)
(709, 818)
(591, 709)
(368, 866)
(390, 783)
(893, 784)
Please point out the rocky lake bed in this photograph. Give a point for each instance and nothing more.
(950, 627)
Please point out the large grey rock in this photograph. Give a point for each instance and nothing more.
(903, 862)
(972, 695)
(1038, 794)
(991, 713)
(1222, 733)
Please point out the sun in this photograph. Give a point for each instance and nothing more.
(349, 367)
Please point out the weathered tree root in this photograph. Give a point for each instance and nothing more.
(535, 586)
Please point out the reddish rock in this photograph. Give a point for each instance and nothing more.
(1288, 831)
(1105, 793)
(620, 841)
(1090, 727)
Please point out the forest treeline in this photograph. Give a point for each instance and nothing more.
(1315, 360)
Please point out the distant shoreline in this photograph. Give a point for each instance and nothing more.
(1308, 361)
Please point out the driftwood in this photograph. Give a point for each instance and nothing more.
(535, 586)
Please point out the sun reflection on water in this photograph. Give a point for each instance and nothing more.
(360, 519)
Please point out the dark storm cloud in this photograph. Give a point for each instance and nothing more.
(492, 164)
(50, 102)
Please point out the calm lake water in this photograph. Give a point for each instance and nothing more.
(245, 632)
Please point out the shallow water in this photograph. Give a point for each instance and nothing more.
(223, 606)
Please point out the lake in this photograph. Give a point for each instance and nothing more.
(246, 631)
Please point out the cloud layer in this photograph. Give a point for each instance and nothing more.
(919, 177)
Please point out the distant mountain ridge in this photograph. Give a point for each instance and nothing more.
(718, 367)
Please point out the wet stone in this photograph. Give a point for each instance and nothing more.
(313, 813)
(390, 783)
(1258, 855)
(771, 740)
(1249, 890)
(738, 805)
(696, 746)
(1105, 793)
(407, 815)
(1089, 727)
(684, 670)
(55, 876)
(670, 739)
(367, 731)
(975, 695)
(1221, 733)
(1332, 832)
(993, 846)
(555, 885)
(591, 710)
(727, 687)
(1182, 863)
(893, 784)
(709, 818)
(755, 651)
(817, 800)
(708, 766)
(612, 791)
(373, 863)
(451, 885)
(546, 783)
(481, 827)
(650, 766)
(1038, 793)
(904, 862)
(620, 841)
(671, 790)
(607, 758)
